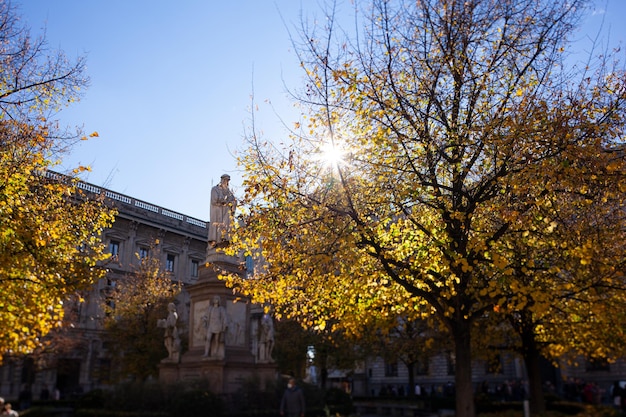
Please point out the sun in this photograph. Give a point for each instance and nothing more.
(331, 155)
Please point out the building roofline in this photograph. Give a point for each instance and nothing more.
(135, 209)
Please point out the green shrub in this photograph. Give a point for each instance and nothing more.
(195, 403)
(151, 400)
(567, 408)
(95, 399)
(37, 411)
(499, 407)
(443, 403)
(137, 396)
(116, 413)
(338, 401)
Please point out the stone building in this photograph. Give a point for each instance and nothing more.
(138, 226)
(379, 376)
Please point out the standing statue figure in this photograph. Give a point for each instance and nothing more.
(223, 205)
(216, 323)
(172, 338)
(266, 338)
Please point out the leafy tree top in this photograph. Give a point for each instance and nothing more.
(49, 239)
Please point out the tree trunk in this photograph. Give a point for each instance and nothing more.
(463, 374)
(410, 366)
(323, 361)
(532, 360)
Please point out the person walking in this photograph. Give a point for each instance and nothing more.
(7, 410)
(292, 404)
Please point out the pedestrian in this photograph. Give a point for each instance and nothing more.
(292, 404)
(617, 395)
(7, 410)
(25, 397)
(44, 395)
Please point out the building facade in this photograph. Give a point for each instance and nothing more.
(138, 227)
(381, 377)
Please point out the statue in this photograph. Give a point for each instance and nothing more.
(266, 338)
(216, 323)
(223, 205)
(172, 338)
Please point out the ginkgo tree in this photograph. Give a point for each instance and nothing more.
(49, 229)
(449, 115)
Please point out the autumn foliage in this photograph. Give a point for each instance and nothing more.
(49, 229)
(132, 308)
(480, 179)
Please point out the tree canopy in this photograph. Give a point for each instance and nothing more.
(49, 234)
(467, 146)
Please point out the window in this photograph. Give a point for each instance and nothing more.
(194, 268)
(391, 368)
(143, 253)
(114, 249)
(249, 266)
(169, 262)
(110, 306)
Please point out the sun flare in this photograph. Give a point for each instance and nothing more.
(332, 155)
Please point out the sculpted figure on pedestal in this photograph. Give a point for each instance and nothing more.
(216, 323)
(223, 205)
(266, 338)
(171, 337)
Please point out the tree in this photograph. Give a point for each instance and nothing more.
(132, 309)
(34, 81)
(448, 114)
(49, 249)
(576, 278)
(49, 241)
(333, 350)
(413, 342)
(290, 351)
(298, 348)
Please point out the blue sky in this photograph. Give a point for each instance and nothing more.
(171, 84)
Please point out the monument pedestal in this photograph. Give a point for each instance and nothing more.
(227, 371)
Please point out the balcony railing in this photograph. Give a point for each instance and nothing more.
(129, 200)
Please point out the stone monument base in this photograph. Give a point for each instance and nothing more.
(239, 362)
(221, 377)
